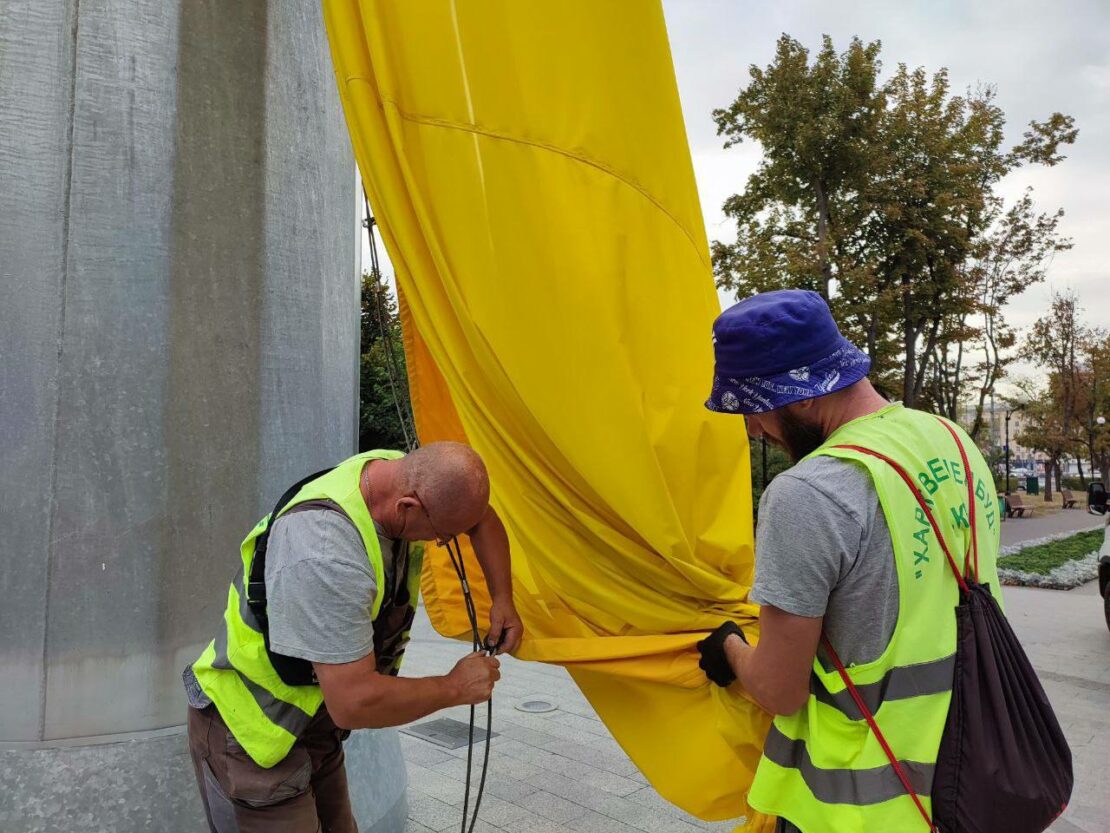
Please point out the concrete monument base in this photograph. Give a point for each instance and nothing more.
(145, 782)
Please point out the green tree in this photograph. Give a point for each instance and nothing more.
(1042, 427)
(976, 343)
(385, 412)
(881, 196)
(817, 125)
(1093, 402)
(1055, 343)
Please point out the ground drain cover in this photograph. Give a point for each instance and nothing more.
(534, 705)
(445, 732)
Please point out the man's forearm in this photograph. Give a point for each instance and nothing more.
(744, 660)
(758, 673)
(393, 701)
(491, 546)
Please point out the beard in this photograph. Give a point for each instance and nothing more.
(799, 438)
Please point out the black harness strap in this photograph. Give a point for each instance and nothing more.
(293, 671)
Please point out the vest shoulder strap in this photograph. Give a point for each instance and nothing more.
(971, 561)
(292, 670)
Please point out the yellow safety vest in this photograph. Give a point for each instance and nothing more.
(265, 715)
(822, 767)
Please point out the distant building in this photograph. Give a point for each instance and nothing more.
(1021, 457)
(994, 417)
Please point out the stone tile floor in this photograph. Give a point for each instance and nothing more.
(1066, 638)
(561, 772)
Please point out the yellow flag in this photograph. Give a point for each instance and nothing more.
(528, 167)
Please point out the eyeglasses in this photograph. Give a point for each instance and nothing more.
(441, 540)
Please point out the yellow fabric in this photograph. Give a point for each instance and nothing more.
(528, 166)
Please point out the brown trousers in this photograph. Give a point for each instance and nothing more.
(305, 792)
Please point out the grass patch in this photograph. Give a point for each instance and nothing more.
(1044, 558)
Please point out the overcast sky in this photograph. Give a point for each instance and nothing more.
(1042, 56)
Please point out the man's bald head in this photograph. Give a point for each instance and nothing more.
(451, 482)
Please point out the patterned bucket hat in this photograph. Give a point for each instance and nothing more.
(780, 347)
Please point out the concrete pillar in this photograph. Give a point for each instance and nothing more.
(178, 342)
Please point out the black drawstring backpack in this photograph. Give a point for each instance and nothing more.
(1003, 765)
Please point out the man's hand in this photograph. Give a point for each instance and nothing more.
(505, 627)
(713, 660)
(473, 677)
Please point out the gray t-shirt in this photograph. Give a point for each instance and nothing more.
(319, 590)
(823, 549)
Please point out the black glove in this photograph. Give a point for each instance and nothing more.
(712, 649)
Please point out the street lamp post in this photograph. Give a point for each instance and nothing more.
(1007, 488)
(1101, 421)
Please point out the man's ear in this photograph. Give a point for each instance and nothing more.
(408, 502)
(802, 405)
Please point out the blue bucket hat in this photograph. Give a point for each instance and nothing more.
(780, 347)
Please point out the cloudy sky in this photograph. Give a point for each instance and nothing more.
(1042, 56)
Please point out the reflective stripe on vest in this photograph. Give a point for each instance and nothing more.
(897, 684)
(289, 717)
(846, 786)
(822, 768)
(265, 715)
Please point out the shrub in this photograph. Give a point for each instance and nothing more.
(1043, 558)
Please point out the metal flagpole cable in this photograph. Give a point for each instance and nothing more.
(476, 639)
(412, 442)
(393, 371)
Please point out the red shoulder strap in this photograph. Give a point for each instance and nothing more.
(879, 736)
(924, 506)
(969, 476)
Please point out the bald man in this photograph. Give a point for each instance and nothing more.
(315, 627)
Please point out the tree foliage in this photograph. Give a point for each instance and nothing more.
(1061, 415)
(1010, 256)
(1042, 427)
(385, 414)
(1093, 402)
(880, 195)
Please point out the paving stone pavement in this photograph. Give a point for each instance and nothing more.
(1065, 635)
(561, 772)
(558, 772)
